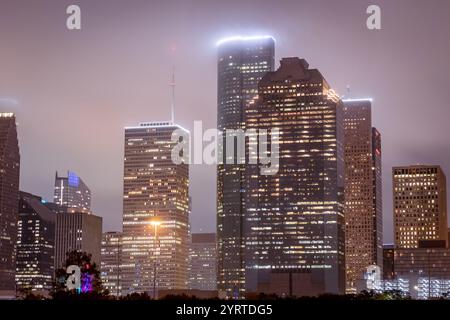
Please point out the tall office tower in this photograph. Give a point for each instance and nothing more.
(77, 231)
(9, 197)
(242, 62)
(35, 245)
(111, 261)
(72, 193)
(295, 217)
(420, 205)
(363, 205)
(203, 262)
(155, 244)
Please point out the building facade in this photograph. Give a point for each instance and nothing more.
(72, 192)
(363, 194)
(294, 222)
(420, 205)
(9, 198)
(388, 262)
(203, 262)
(35, 246)
(77, 231)
(430, 259)
(110, 272)
(155, 244)
(242, 62)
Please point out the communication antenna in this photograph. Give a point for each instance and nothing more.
(172, 85)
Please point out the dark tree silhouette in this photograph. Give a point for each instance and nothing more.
(88, 269)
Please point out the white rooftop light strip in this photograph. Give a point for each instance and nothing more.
(157, 124)
(356, 100)
(243, 38)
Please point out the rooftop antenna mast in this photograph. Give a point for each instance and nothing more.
(172, 86)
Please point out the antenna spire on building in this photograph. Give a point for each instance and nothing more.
(172, 85)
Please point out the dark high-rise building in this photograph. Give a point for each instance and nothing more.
(77, 231)
(363, 204)
(111, 261)
(155, 244)
(388, 262)
(72, 192)
(35, 246)
(203, 262)
(420, 205)
(242, 62)
(9, 202)
(295, 218)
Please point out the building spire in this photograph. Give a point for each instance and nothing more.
(172, 85)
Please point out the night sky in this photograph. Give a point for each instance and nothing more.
(77, 90)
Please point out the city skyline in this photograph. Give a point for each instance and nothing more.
(391, 107)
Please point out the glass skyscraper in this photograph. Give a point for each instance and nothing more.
(294, 222)
(35, 246)
(242, 62)
(155, 244)
(72, 192)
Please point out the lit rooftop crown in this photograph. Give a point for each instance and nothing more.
(243, 38)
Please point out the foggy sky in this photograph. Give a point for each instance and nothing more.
(77, 90)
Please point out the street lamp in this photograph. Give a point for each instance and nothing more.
(155, 224)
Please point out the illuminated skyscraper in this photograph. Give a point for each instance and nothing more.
(203, 262)
(295, 218)
(420, 205)
(242, 62)
(35, 245)
(111, 261)
(72, 192)
(9, 198)
(155, 244)
(363, 204)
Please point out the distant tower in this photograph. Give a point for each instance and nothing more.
(9, 198)
(111, 260)
(72, 192)
(363, 202)
(203, 262)
(420, 205)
